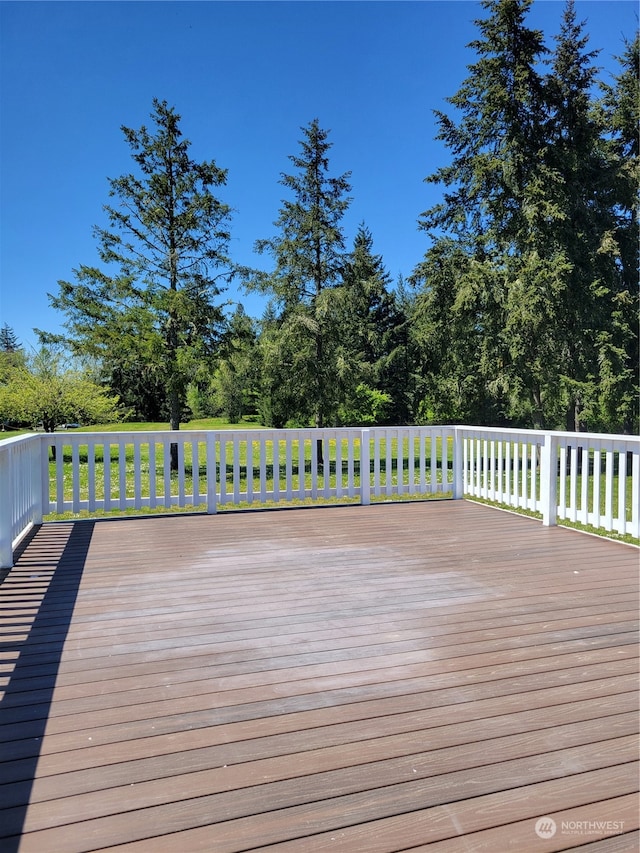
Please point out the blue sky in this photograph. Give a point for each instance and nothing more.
(245, 77)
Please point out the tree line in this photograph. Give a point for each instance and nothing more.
(523, 311)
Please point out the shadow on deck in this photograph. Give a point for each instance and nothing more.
(359, 679)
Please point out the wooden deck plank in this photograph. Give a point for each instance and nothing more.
(343, 678)
(517, 836)
(350, 746)
(188, 732)
(490, 795)
(264, 737)
(236, 676)
(364, 818)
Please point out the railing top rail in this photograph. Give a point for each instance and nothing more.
(313, 431)
(18, 439)
(573, 436)
(310, 433)
(115, 435)
(307, 432)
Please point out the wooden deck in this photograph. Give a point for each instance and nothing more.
(359, 679)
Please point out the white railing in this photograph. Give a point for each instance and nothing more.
(592, 479)
(102, 472)
(580, 477)
(21, 492)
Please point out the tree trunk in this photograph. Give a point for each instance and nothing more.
(50, 427)
(175, 406)
(572, 408)
(174, 416)
(538, 414)
(319, 441)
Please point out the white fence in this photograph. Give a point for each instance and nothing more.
(22, 479)
(102, 472)
(590, 479)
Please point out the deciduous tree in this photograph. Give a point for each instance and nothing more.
(49, 391)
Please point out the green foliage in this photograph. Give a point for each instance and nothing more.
(286, 370)
(371, 349)
(298, 350)
(198, 401)
(235, 382)
(231, 388)
(526, 312)
(150, 319)
(366, 407)
(47, 391)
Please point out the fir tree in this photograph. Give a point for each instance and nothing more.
(489, 189)
(8, 339)
(308, 251)
(371, 337)
(166, 241)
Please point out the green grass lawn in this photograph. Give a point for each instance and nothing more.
(202, 423)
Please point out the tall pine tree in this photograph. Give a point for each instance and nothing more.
(526, 263)
(580, 227)
(619, 387)
(371, 348)
(308, 251)
(12, 355)
(8, 339)
(482, 225)
(153, 309)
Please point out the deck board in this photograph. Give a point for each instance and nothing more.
(403, 676)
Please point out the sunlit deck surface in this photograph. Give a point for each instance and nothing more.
(433, 675)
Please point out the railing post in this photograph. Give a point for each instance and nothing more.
(212, 497)
(365, 465)
(635, 494)
(549, 480)
(458, 457)
(37, 483)
(6, 511)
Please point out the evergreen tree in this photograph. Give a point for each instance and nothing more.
(234, 386)
(526, 262)
(309, 256)
(283, 359)
(448, 343)
(8, 339)
(619, 385)
(12, 355)
(167, 240)
(577, 227)
(490, 187)
(371, 355)
(407, 293)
